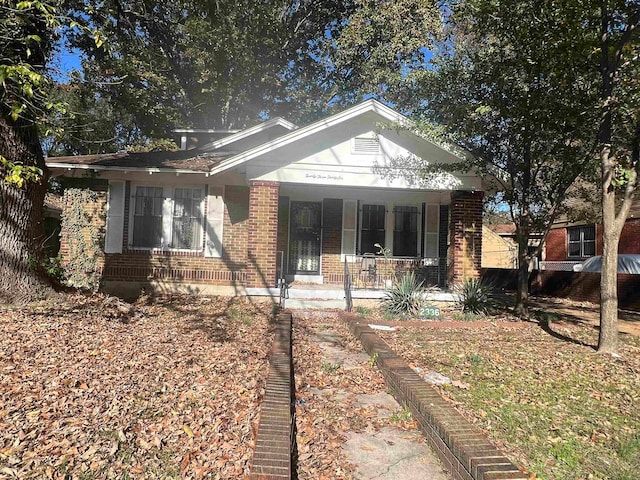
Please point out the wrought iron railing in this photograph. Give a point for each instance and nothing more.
(377, 272)
(281, 280)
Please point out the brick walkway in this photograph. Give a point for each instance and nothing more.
(463, 449)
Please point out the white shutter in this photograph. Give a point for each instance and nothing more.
(431, 231)
(115, 218)
(167, 217)
(349, 224)
(214, 222)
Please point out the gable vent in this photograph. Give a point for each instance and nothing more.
(366, 145)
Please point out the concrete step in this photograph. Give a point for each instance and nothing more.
(314, 304)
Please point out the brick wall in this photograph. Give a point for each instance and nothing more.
(263, 234)
(332, 268)
(629, 238)
(556, 245)
(465, 251)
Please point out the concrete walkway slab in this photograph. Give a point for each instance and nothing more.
(393, 455)
(381, 448)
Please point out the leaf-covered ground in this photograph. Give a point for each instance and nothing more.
(542, 394)
(173, 393)
(326, 405)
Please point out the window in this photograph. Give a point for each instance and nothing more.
(164, 218)
(582, 241)
(405, 231)
(147, 217)
(372, 228)
(187, 219)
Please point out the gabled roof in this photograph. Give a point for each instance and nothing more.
(241, 135)
(368, 106)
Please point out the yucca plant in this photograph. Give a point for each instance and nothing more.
(404, 298)
(477, 296)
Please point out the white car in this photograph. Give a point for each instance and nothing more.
(627, 263)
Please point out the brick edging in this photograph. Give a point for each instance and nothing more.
(463, 449)
(275, 436)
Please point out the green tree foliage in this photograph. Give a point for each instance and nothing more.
(229, 64)
(508, 84)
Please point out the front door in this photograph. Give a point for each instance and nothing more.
(304, 238)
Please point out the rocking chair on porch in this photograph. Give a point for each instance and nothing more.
(368, 269)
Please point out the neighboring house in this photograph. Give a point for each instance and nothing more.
(577, 241)
(498, 251)
(274, 200)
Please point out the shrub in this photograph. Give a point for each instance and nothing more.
(404, 298)
(477, 296)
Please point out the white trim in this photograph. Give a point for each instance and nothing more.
(370, 105)
(241, 134)
(202, 130)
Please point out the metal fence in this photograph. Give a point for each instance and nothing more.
(566, 266)
(377, 272)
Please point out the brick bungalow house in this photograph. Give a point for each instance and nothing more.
(235, 214)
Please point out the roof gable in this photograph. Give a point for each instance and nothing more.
(368, 115)
(242, 140)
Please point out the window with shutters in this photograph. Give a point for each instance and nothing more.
(167, 218)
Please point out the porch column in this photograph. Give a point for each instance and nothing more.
(263, 234)
(465, 250)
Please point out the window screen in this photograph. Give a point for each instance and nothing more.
(187, 219)
(147, 217)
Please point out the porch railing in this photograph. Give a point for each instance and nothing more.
(281, 280)
(376, 272)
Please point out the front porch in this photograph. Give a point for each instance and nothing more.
(318, 235)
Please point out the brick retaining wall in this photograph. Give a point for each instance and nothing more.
(463, 449)
(275, 439)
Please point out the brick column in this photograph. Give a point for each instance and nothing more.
(465, 250)
(263, 234)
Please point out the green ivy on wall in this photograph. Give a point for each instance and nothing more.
(82, 232)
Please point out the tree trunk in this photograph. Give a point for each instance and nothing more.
(608, 339)
(21, 216)
(521, 308)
